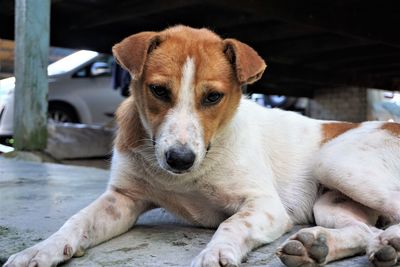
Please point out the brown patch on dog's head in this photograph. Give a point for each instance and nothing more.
(157, 61)
(131, 133)
(331, 130)
(392, 127)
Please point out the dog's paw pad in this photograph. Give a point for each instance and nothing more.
(395, 243)
(293, 253)
(306, 238)
(385, 256)
(319, 249)
(304, 250)
(294, 247)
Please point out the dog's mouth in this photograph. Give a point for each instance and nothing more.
(177, 172)
(208, 148)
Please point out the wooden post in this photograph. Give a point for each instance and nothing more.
(32, 25)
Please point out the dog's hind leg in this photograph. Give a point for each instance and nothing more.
(364, 166)
(368, 173)
(344, 229)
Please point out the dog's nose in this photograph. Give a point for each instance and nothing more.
(180, 157)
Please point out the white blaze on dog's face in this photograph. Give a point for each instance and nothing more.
(186, 88)
(179, 140)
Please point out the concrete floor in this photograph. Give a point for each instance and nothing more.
(36, 199)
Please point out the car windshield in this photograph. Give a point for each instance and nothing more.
(70, 62)
(61, 66)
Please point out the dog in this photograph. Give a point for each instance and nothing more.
(189, 142)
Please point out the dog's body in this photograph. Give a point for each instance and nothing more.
(188, 142)
(238, 165)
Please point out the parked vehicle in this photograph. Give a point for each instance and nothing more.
(79, 92)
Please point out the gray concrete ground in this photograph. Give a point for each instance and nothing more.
(37, 198)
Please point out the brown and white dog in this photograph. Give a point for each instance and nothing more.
(189, 142)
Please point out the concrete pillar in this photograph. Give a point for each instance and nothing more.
(32, 25)
(343, 104)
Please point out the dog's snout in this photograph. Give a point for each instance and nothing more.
(180, 157)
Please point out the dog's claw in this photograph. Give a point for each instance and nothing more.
(371, 257)
(279, 252)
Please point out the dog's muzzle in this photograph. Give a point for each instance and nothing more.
(180, 158)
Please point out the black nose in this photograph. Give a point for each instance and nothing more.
(180, 157)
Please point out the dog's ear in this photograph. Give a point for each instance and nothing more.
(248, 65)
(131, 53)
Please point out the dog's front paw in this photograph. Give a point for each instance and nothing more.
(217, 256)
(48, 253)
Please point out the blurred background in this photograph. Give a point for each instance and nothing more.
(335, 60)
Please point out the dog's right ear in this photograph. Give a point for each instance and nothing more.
(131, 53)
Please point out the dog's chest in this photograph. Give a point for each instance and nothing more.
(193, 208)
(206, 207)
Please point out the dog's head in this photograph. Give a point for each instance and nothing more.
(186, 87)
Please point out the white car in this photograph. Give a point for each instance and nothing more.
(80, 91)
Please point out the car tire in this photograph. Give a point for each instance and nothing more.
(62, 113)
(6, 140)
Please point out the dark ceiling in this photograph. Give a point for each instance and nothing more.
(308, 44)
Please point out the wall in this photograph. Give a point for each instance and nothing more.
(343, 104)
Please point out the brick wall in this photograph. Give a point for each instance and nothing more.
(344, 104)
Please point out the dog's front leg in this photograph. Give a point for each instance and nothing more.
(110, 215)
(258, 221)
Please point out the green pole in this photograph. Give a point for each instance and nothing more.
(32, 25)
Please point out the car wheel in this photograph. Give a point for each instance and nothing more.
(61, 112)
(6, 140)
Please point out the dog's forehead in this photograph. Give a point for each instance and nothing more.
(190, 33)
(204, 47)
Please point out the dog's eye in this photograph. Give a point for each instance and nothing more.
(212, 98)
(160, 92)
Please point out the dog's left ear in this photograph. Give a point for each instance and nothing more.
(131, 53)
(248, 65)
